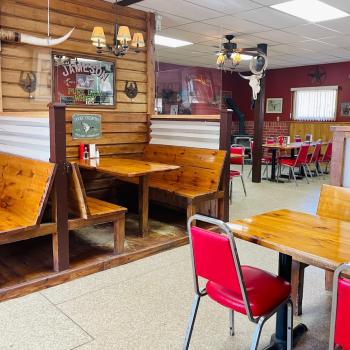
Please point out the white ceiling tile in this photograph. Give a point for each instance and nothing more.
(311, 31)
(313, 45)
(268, 2)
(343, 53)
(227, 6)
(203, 29)
(184, 35)
(279, 36)
(341, 25)
(286, 49)
(237, 25)
(271, 18)
(180, 8)
(173, 21)
(340, 4)
(341, 41)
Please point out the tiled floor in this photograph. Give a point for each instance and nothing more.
(145, 304)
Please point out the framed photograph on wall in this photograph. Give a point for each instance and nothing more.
(345, 109)
(83, 81)
(274, 105)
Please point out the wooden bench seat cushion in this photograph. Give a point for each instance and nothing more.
(24, 189)
(100, 208)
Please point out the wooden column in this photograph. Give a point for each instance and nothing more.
(259, 113)
(151, 69)
(225, 143)
(57, 119)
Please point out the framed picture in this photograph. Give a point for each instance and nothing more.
(82, 81)
(345, 109)
(274, 105)
(174, 109)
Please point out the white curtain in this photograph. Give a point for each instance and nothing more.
(315, 104)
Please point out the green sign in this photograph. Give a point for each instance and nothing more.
(86, 126)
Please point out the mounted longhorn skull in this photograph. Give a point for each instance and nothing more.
(11, 36)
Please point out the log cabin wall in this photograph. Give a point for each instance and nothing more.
(126, 127)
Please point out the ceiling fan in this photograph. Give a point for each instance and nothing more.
(230, 56)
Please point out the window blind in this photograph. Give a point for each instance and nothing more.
(315, 104)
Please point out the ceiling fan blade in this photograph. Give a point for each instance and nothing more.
(128, 2)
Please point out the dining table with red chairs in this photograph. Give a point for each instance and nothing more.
(275, 147)
(314, 240)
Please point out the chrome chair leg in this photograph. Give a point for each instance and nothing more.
(257, 333)
(309, 170)
(245, 191)
(230, 195)
(294, 177)
(192, 319)
(232, 322)
(289, 325)
(305, 172)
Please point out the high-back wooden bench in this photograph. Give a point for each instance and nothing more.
(197, 180)
(25, 186)
(334, 203)
(88, 211)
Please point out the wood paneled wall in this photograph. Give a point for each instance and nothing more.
(319, 130)
(125, 128)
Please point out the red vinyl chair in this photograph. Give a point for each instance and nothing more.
(313, 159)
(243, 289)
(237, 150)
(326, 157)
(299, 161)
(340, 317)
(297, 138)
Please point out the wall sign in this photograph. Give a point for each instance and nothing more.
(86, 126)
(83, 81)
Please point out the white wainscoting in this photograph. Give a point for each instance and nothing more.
(346, 173)
(199, 134)
(25, 136)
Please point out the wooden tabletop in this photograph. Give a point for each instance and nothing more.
(289, 146)
(125, 167)
(311, 239)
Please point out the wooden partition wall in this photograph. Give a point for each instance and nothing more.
(126, 127)
(319, 130)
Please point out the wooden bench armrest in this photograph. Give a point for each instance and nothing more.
(208, 197)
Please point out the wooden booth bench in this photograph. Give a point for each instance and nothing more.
(25, 186)
(197, 181)
(89, 211)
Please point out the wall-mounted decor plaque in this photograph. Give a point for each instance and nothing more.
(86, 126)
(83, 81)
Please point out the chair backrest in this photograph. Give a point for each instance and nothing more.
(340, 316)
(328, 153)
(215, 257)
(302, 155)
(199, 167)
(251, 148)
(25, 186)
(334, 202)
(270, 141)
(238, 150)
(316, 153)
(297, 138)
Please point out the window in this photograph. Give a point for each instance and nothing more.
(315, 104)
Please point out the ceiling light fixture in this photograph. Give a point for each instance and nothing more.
(120, 45)
(310, 10)
(170, 42)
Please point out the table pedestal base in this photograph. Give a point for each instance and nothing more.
(277, 344)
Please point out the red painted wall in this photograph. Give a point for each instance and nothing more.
(280, 81)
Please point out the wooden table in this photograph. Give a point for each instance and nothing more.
(274, 147)
(124, 167)
(313, 240)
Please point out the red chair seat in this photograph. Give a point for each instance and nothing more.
(266, 160)
(264, 290)
(343, 316)
(235, 173)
